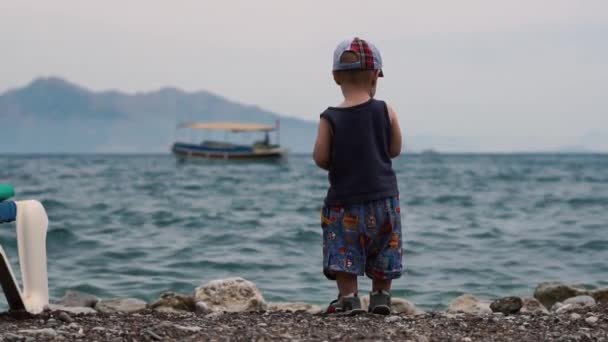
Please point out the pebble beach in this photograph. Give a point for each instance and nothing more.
(151, 325)
(235, 309)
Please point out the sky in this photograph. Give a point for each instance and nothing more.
(517, 75)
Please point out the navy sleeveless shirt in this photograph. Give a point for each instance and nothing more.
(360, 167)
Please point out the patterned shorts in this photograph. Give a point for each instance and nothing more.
(363, 238)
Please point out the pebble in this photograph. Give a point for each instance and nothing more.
(192, 329)
(574, 316)
(201, 308)
(591, 320)
(45, 331)
(214, 314)
(392, 319)
(64, 317)
(154, 335)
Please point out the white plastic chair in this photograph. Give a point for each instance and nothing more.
(32, 225)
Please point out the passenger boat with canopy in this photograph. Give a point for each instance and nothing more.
(210, 149)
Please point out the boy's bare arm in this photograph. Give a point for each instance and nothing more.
(322, 152)
(396, 140)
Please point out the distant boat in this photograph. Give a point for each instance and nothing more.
(262, 149)
(429, 152)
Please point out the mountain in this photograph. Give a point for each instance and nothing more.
(51, 115)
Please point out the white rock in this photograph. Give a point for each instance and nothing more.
(295, 306)
(74, 326)
(574, 316)
(583, 301)
(167, 309)
(127, 305)
(231, 295)
(72, 309)
(556, 306)
(532, 305)
(392, 319)
(404, 306)
(201, 308)
(469, 304)
(187, 328)
(566, 308)
(213, 315)
(77, 298)
(591, 320)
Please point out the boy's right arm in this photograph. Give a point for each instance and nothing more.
(322, 152)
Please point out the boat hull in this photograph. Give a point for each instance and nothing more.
(182, 150)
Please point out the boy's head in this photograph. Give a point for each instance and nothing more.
(357, 63)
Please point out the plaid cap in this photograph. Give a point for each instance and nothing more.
(369, 56)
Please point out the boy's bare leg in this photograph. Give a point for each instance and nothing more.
(381, 284)
(347, 283)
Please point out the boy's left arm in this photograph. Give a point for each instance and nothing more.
(322, 152)
(396, 139)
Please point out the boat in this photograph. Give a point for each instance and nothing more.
(210, 149)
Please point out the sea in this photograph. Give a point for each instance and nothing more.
(138, 225)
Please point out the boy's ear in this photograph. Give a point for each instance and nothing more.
(335, 77)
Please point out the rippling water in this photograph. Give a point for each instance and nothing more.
(490, 225)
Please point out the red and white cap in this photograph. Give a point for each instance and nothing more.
(369, 56)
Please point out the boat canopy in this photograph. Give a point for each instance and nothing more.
(228, 126)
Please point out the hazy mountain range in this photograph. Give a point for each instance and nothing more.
(51, 115)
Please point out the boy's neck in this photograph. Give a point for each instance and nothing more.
(353, 97)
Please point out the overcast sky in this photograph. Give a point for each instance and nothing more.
(494, 75)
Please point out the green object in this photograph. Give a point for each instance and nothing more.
(6, 191)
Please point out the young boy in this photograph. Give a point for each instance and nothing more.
(361, 216)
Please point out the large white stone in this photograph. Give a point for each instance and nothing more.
(126, 305)
(469, 304)
(72, 309)
(550, 293)
(583, 301)
(231, 295)
(77, 298)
